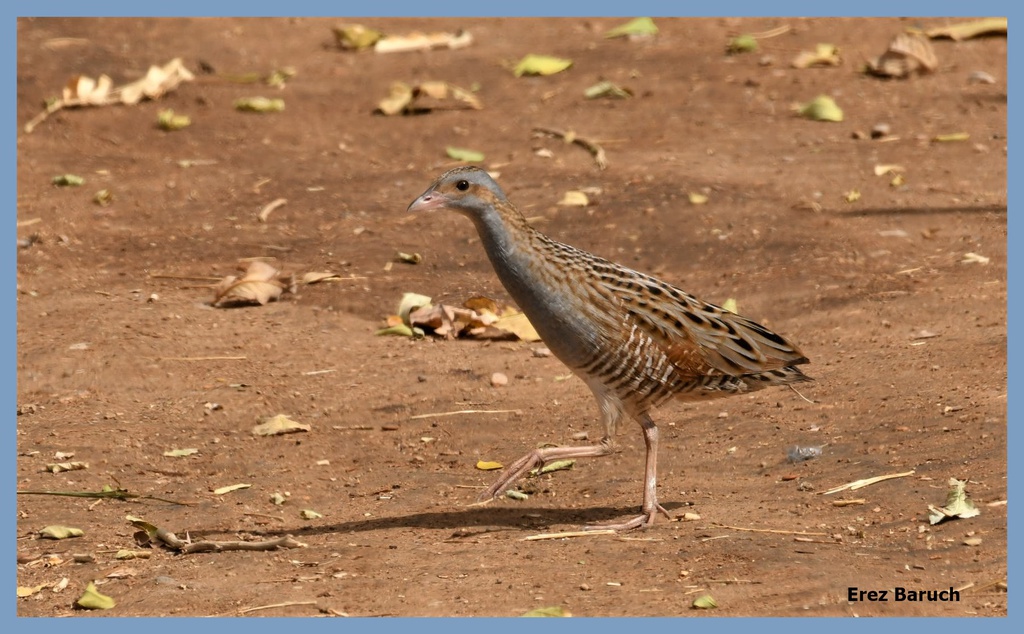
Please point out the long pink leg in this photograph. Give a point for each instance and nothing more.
(650, 507)
(540, 457)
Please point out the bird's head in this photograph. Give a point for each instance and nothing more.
(467, 190)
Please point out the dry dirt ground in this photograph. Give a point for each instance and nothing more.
(119, 350)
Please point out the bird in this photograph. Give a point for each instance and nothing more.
(635, 340)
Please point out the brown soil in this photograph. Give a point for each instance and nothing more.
(854, 283)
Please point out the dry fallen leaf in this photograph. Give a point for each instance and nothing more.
(822, 55)
(278, 425)
(314, 277)
(958, 505)
(260, 284)
(637, 28)
(967, 30)
(574, 198)
(86, 91)
(425, 97)
(57, 531)
(92, 599)
(422, 42)
(908, 53)
(356, 37)
(821, 108)
(230, 488)
(533, 64)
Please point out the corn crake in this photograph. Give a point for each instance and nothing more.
(635, 340)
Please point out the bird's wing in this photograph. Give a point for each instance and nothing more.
(698, 337)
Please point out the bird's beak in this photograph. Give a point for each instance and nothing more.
(430, 200)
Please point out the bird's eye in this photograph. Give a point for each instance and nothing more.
(462, 186)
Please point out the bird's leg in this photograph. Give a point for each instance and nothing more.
(540, 457)
(650, 507)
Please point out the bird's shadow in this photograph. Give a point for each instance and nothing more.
(500, 518)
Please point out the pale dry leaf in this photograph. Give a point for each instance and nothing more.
(314, 277)
(908, 53)
(422, 42)
(158, 81)
(278, 425)
(82, 90)
(258, 285)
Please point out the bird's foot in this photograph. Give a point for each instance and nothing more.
(643, 520)
(508, 477)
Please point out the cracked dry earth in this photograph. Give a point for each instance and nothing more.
(119, 351)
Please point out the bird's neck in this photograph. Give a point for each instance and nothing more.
(506, 237)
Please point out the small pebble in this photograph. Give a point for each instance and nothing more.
(880, 130)
(498, 379)
(584, 587)
(541, 352)
(581, 435)
(799, 454)
(980, 77)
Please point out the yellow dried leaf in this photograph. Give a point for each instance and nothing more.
(168, 120)
(967, 30)
(463, 154)
(277, 425)
(356, 37)
(533, 64)
(821, 108)
(26, 591)
(519, 325)
(822, 55)
(741, 44)
(409, 303)
(704, 602)
(731, 306)
(955, 136)
(92, 599)
(552, 611)
(399, 96)
(400, 329)
(696, 198)
(488, 466)
(852, 196)
(574, 198)
(261, 105)
(57, 531)
(230, 488)
(637, 27)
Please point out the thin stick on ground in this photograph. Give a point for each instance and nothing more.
(201, 358)
(570, 137)
(858, 484)
(466, 411)
(533, 538)
(271, 606)
(113, 494)
(191, 278)
(771, 530)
